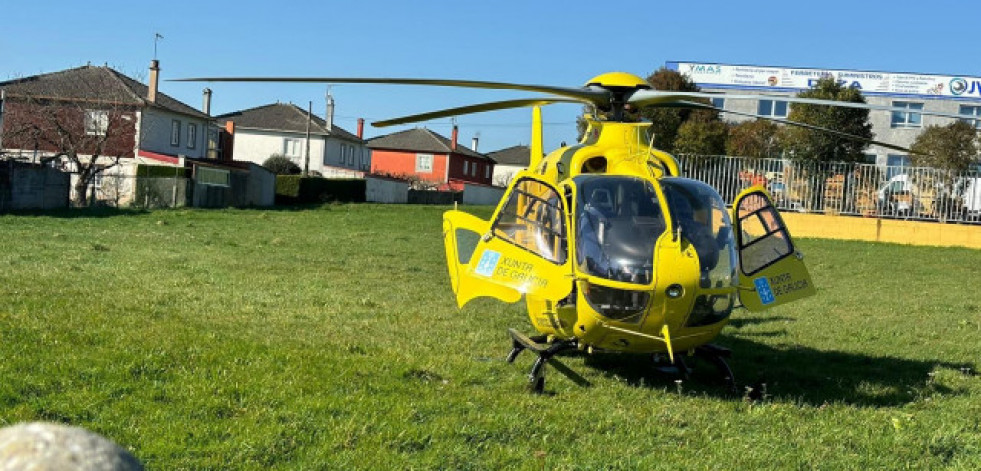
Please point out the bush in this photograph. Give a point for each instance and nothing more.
(296, 189)
(281, 165)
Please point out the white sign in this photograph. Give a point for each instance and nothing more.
(789, 79)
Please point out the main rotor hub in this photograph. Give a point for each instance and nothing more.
(621, 80)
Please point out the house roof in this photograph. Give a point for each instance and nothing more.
(421, 140)
(284, 117)
(515, 155)
(96, 84)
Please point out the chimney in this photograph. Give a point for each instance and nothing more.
(151, 94)
(329, 118)
(453, 137)
(360, 128)
(473, 143)
(206, 101)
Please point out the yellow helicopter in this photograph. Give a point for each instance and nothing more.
(611, 247)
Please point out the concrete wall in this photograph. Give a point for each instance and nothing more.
(482, 194)
(262, 186)
(23, 187)
(383, 190)
(883, 230)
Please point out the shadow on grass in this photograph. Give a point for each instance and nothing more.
(108, 211)
(798, 374)
(72, 213)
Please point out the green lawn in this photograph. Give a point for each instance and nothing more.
(328, 338)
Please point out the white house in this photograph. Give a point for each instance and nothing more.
(510, 161)
(135, 121)
(281, 128)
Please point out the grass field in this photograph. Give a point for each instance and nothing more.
(327, 338)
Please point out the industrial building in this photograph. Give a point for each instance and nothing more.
(913, 91)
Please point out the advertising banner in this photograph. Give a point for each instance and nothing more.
(793, 80)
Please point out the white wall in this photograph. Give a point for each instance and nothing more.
(382, 190)
(504, 173)
(256, 146)
(155, 128)
(482, 194)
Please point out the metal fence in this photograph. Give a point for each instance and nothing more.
(866, 190)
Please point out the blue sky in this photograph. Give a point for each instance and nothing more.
(557, 43)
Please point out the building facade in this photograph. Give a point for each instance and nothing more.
(509, 161)
(281, 129)
(431, 158)
(913, 91)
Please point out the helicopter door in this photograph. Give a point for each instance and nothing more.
(523, 251)
(772, 271)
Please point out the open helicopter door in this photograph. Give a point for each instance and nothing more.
(523, 250)
(772, 271)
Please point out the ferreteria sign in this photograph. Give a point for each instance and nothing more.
(777, 79)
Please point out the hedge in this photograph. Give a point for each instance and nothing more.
(296, 189)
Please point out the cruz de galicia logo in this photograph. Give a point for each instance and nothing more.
(958, 86)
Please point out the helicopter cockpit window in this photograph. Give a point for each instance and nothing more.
(532, 219)
(764, 239)
(701, 215)
(618, 221)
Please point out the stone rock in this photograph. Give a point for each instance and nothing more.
(42, 446)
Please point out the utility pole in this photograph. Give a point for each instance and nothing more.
(306, 160)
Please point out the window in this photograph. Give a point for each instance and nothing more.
(895, 164)
(466, 168)
(906, 119)
(350, 155)
(96, 122)
(972, 111)
(618, 221)
(214, 144)
(292, 147)
(211, 176)
(424, 163)
(192, 135)
(763, 238)
(719, 102)
(772, 108)
(533, 219)
(487, 171)
(175, 133)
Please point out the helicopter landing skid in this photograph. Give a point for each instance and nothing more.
(539, 344)
(713, 354)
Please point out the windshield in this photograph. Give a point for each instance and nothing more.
(698, 210)
(618, 220)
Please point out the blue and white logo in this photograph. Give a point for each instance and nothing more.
(488, 262)
(958, 86)
(764, 290)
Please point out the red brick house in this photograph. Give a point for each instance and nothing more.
(430, 157)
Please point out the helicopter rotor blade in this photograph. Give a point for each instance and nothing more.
(653, 97)
(471, 109)
(594, 96)
(691, 104)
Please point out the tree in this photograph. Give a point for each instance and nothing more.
(815, 146)
(87, 136)
(757, 139)
(952, 148)
(281, 165)
(701, 137)
(666, 122)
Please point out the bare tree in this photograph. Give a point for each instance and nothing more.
(87, 136)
